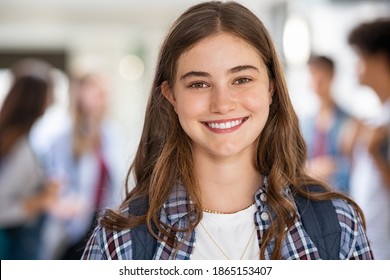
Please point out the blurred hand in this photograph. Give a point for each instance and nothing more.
(50, 194)
(68, 207)
(43, 200)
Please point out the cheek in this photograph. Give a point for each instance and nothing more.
(260, 109)
(361, 68)
(190, 106)
(364, 70)
(315, 83)
(95, 104)
(257, 103)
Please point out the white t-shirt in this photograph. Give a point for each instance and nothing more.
(227, 236)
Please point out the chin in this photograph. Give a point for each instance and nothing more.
(227, 152)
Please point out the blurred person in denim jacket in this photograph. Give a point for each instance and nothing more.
(326, 131)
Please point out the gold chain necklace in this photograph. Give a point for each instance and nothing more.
(220, 249)
(220, 212)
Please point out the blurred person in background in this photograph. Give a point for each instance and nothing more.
(325, 131)
(25, 194)
(86, 162)
(370, 180)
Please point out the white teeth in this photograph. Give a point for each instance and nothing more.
(225, 125)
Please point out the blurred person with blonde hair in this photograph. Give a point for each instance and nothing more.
(86, 162)
(370, 181)
(25, 194)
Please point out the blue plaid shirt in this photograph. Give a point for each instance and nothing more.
(108, 244)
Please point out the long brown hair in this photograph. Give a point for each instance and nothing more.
(25, 102)
(164, 154)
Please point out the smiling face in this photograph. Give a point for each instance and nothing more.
(221, 95)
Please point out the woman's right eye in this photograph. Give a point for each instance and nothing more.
(197, 85)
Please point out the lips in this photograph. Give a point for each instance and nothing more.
(225, 124)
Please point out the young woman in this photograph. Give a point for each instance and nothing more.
(221, 156)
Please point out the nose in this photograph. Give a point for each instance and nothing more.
(222, 99)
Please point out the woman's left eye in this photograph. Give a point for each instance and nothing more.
(241, 81)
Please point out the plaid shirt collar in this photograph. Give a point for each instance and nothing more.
(175, 214)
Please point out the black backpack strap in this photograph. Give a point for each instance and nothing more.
(143, 243)
(320, 220)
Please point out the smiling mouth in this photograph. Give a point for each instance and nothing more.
(226, 124)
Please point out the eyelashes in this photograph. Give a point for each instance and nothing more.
(242, 80)
(196, 85)
(203, 84)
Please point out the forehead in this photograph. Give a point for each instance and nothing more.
(223, 50)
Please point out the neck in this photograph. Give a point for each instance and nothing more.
(326, 104)
(325, 116)
(226, 184)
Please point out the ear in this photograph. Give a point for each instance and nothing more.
(168, 94)
(271, 90)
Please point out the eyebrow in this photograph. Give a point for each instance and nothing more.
(195, 74)
(230, 71)
(242, 68)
